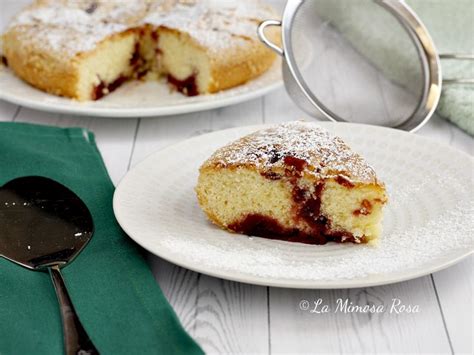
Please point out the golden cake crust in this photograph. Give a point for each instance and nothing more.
(45, 42)
(325, 155)
(46, 70)
(294, 181)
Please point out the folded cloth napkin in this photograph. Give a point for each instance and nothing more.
(450, 24)
(114, 293)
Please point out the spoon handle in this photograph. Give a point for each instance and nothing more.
(76, 340)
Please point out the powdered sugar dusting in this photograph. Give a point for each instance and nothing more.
(395, 252)
(428, 221)
(74, 26)
(325, 154)
(215, 24)
(67, 27)
(399, 249)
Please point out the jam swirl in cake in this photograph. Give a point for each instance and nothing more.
(293, 182)
(83, 49)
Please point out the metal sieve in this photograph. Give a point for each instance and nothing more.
(383, 69)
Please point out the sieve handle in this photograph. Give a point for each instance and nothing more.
(265, 40)
(458, 56)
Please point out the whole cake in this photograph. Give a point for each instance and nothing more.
(85, 49)
(293, 182)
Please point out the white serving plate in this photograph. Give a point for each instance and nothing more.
(427, 227)
(136, 99)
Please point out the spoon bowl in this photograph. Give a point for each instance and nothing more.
(43, 223)
(44, 226)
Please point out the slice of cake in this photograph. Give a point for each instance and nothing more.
(85, 49)
(293, 182)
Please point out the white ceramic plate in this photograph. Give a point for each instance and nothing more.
(428, 220)
(136, 99)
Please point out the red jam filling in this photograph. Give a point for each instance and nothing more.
(102, 89)
(296, 163)
(365, 209)
(307, 207)
(271, 175)
(342, 180)
(187, 86)
(136, 60)
(267, 227)
(141, 73)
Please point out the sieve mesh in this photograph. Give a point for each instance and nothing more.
(356, 60)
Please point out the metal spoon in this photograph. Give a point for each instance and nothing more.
(43, 226)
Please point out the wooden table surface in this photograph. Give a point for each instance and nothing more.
(231, 317)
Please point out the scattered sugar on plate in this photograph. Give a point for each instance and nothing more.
(428, 220)
(397, 250)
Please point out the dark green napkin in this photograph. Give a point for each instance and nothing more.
(110, 284)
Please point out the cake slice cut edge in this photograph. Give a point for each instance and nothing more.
(293, 182)
(85, 52)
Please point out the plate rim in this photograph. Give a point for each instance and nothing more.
(165, 110)
(286, 283)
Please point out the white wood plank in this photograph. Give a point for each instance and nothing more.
(296, 331)
(231, 317)
(454, 288)
(223, 316)
(8, 111)
(180, 287)
(114, 136)
(157, 133)
(454, 285)
(278, 107)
